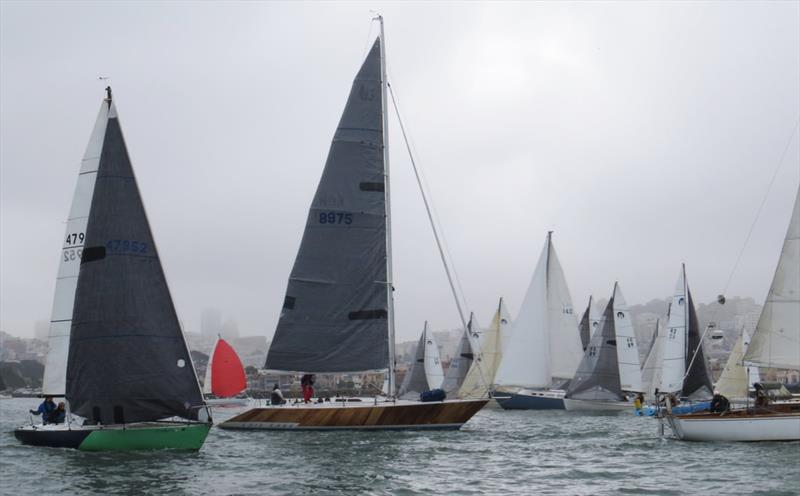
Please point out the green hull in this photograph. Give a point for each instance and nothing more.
(181, 437)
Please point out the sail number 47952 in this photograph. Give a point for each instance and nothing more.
(335, 218)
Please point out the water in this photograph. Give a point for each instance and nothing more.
(497, 452)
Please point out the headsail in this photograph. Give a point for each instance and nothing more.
(335, 313)
(597, 377)
(425, 372)
(480, 379)
(463, 360)
(225, 375)
(697, 384)
(128, 360)
(545, 342)
(55, 368)
(776, 341)
(630, 373)
(735, 381)
(589, 322)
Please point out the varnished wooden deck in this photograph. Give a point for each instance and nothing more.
(400, 415)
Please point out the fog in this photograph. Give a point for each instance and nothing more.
(643, 134)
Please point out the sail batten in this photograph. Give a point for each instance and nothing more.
(336, 313)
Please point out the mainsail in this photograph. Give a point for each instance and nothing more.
(630, 373)
(463, 360)
(225, 375)
(598, 377)
(776, 340)
(425, 372)
(545, 343)
(335, 315)
(480, 379)
(128, 360)
(55, 368)
(683, 347)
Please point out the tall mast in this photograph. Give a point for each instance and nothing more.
(389, 277)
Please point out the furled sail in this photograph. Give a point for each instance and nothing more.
(597, 377)
(651, 370)
(55, 368)
(425, 372)
(736, 379)
(463, 360)
(630, 373)
(335, 313)
(480, 379)
(225, 375)
(776, 340)
(128, 360)
(545, 343)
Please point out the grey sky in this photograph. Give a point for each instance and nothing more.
(644, 134)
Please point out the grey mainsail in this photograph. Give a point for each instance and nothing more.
(127, 361)
(697, 383)
(415, 381)
(585, 325)
(462, 360)
(597, 377)
(335, 313)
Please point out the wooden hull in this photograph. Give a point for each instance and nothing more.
(359, 416)
(737, 425)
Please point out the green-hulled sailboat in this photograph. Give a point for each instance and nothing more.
(116, 350)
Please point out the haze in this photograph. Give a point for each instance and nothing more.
(643, 134)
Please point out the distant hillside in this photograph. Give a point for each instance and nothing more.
(23, 374)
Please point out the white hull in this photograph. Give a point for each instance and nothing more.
(747, 428)
(596, 405)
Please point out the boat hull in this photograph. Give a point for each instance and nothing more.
(180, 436)
(405, 415)
(531, 400)
(736, 427)
(574, 405)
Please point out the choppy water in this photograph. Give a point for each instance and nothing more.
(497, 452)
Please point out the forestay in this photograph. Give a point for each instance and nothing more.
(128, 361)
(776, 341)
(335, 313)
(55, 368)
(630, 373)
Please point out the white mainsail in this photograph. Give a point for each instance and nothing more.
(433, 362)
(480, 379)
(55, 368)
(545, 342)
(776, 340)
(674, 363)
(630, 373)
(737, 379)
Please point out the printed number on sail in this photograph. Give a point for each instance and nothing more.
(126, 245)
(335, 218)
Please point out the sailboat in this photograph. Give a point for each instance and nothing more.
(775, 344)
(117, 353)
(338, 313)
(588, 324)
(464, 359)
(737, 379)
(426, 372)
(225, 377)
(610, 365)
(479, 379)
(545, 345)
(651, 370)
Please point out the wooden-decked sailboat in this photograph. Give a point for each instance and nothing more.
(338, 313)
(544, 349)
(117, 353)
(775, 343)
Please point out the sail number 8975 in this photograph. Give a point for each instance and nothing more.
(335, 218)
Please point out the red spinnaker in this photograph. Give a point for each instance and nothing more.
(227, 372)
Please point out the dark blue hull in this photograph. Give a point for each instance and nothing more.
(528, 402)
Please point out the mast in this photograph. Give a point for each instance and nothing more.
(389, 278)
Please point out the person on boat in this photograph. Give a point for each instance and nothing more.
(638, 402)
(47, 407)
(58, 415)
(307, 386)
(719, 403)
(276, 398)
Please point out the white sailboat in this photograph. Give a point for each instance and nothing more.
(651, 369)
(426, 371)
(545, 345)
(775, 343)
(464, 359)
(479, 379)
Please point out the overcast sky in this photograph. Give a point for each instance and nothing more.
(643, 134)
